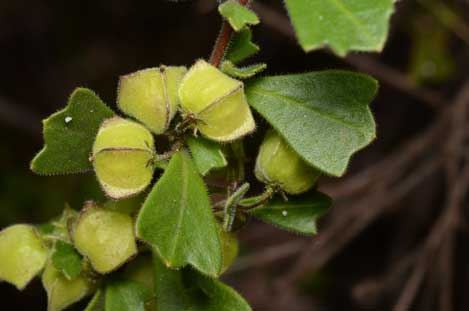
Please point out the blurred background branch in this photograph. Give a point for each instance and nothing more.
(396, 235)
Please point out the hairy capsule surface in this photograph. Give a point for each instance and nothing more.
(22, 255)
(217, 101)
(279, 165)
(151, 96)
(122, 157)
(105, 237)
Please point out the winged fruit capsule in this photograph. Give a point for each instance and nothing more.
(105, 237)
(150, 96)
(279, 165)
(61, 292)
(217, 102)
(122, 157)
(22, 255)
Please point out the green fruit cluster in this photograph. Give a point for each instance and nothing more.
(100, 239)
(124, 154)
(124, 150)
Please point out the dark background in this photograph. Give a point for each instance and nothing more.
(397, 233)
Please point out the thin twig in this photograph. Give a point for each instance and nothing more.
(433, 242)
(336, 238)
(448, 222)
(267, 255)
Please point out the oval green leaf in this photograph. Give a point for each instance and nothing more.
(299, 214)
(177, 221)
(323, 116)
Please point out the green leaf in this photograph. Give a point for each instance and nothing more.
(237, 15)
(343, 25)
(69, 135)
(323, 116)
(207, 154)
(126, 295)
(242, 72)
(188, 290)
(177, 220)
(141, 271)
(241, 46)
(97, 302)
(66, 259)
(298, 214)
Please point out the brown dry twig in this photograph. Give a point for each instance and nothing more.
(444, 228)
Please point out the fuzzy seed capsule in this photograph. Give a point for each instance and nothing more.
(105, 237)
(217, 101)
(61, 292)
(122, 157)
(279, 165)
(150, 96)
(22, 255)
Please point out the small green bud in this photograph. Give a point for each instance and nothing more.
(217, 101)
(279, 165)
(61, 292)
(105, 237)
(22, 255)
(122, 157)
(150, 96)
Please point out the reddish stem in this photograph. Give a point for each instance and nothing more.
(223, 40)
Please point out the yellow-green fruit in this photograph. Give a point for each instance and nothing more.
(122, 156)
(105, 237)
(61, 292)
(217, 101)
(150, 96)
(22, 255)
(279, 165)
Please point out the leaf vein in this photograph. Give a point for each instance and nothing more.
(317, 111)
